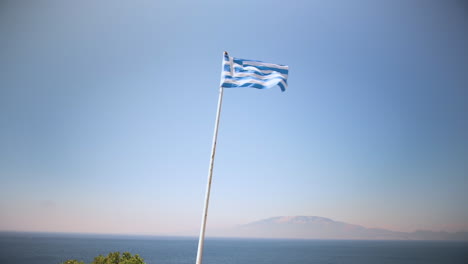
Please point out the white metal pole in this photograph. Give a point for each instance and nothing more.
(210, 176)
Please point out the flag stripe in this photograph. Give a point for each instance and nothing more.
(246, 82)
(255, 76)
(258, 71)
(264, 64)
(264, 68)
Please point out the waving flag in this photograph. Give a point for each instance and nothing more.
(241, 73)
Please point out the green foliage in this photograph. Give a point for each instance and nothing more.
(112, 258)
(73, 261)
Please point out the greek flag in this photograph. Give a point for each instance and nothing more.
(240, 73)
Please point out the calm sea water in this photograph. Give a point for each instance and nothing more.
(40, 248)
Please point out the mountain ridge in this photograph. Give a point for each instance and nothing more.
(317, 227)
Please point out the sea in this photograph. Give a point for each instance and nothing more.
(45, 248)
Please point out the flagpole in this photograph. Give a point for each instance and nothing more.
(210, 176)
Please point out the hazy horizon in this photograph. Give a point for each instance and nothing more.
(107, 113)
(215, 232)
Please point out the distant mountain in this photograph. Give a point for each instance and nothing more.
(315, 227)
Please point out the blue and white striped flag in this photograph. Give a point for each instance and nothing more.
(240, 73)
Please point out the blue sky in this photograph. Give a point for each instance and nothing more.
(107, 112)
